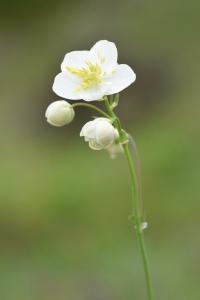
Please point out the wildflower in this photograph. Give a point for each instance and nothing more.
(100, 133)
(59, 113)
(90, 75)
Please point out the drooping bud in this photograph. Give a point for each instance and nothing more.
(59, 113)
(100, 133)
(143, 226)
(115, 150)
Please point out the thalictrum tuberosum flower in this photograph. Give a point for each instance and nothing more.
(90, 75)
(96, 75)
(59, 113)
(100, 133)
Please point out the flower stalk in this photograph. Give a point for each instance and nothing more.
(135, 198)
(100, 111)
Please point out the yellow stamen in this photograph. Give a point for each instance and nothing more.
(90, 75)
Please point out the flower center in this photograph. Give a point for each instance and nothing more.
(90, 76)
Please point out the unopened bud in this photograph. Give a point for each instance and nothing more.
(100, 133)
(59, 113)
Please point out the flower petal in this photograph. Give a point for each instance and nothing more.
(106, 53)
(88, 130)
(120, 79)
(105, 134)
(65, 87)
(94, 145)
(94, 93)
(76, 59)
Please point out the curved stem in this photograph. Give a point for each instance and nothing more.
(135, 198)
(100, 111)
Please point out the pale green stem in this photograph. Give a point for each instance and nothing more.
(135, 197)
(100, 111)
(136, 160)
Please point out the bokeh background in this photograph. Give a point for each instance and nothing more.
(64, 228)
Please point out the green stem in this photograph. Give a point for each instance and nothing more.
(135, 197)
(136, 213)
(100, 111)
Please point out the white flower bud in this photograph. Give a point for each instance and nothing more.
(100, 133)
(114, 150)
(59, 113)
(143, 226)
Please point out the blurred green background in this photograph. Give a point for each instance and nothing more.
(64, 228)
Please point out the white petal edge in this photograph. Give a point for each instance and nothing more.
(64, 87)
(94, 145)
(88, 130)
(93, 93)
(122, 77)
(76, 59)
(106, 53)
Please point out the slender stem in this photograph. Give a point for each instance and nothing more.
(135, 197)
(136, 160)
(136, 213)
(100, 111)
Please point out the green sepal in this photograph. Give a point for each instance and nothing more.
(114, 100)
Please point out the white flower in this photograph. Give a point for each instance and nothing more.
(100, 133)
(59, 113)
(90, 75)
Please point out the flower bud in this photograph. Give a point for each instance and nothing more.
(143, 226)
(100, 133)
(114, 150)
(59, 113)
